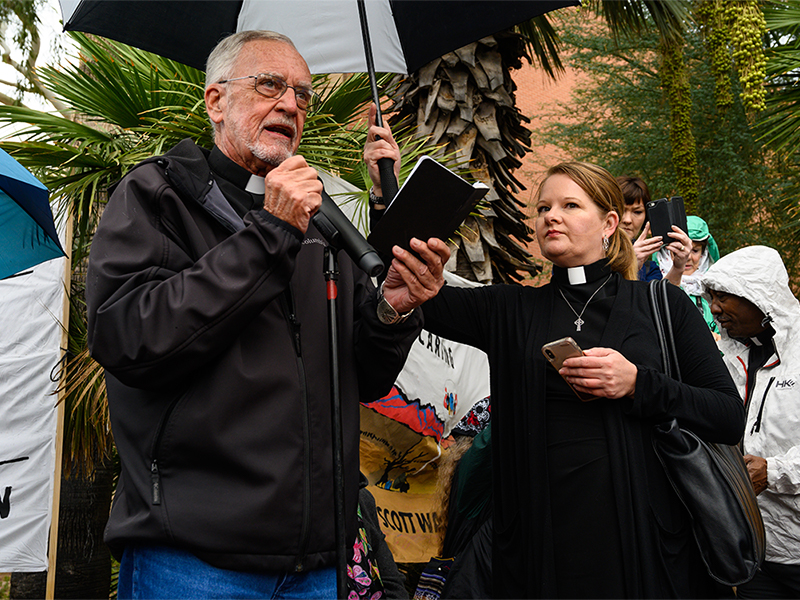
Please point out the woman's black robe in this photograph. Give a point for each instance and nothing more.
(511, 324)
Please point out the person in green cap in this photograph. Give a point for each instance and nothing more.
(704, 254)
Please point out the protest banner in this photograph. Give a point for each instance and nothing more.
(30, 355)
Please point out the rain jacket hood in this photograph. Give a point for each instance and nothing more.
(772, 430)
(757, 274)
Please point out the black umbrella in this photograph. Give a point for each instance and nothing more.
(406, 34)
(332, 35)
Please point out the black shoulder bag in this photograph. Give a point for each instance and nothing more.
(710, 479)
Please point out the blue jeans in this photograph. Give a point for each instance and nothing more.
(159, 572)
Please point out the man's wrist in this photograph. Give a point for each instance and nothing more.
(376, 201)
(387, 314)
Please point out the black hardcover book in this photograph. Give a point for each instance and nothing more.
(432, 202)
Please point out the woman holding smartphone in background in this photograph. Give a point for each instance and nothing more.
(636, 226)
(683, 261)
(583, 508)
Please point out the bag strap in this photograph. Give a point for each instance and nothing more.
(659, 304)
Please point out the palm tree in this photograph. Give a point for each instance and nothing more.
(779, 126)
(128, 105)
(464, 103)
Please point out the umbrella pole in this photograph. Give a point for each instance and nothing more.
(331, 270)
(385, 165)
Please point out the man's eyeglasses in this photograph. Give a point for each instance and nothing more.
(273, 86)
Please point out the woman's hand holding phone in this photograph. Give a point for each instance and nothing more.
(680, 246)
(601, 372)
(644, 246)
(560, 350)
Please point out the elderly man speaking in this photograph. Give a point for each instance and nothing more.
(750, 298)
(207, 308)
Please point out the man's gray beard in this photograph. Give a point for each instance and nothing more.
(272, 156)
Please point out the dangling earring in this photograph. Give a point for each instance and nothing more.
(605, 244)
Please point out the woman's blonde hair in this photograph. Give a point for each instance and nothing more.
(606, 193)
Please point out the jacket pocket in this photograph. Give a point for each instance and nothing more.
(156, 456)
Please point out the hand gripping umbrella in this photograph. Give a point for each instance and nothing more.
(27, 232)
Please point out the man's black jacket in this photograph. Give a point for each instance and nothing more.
(214, 337)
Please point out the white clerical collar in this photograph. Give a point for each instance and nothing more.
(576, 275)
(255, 185)
(756, 341)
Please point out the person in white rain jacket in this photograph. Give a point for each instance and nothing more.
(760, 320)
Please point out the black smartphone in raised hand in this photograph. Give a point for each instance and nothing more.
(663, 214)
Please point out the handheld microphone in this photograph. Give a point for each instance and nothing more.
(340, 233)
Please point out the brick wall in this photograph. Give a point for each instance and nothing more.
(537, 96)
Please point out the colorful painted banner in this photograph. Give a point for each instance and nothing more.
(440, 382)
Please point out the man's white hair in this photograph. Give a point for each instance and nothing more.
(223, 57)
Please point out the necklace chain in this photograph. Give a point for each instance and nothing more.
(579, 321)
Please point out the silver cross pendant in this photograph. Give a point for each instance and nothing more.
(578, 322)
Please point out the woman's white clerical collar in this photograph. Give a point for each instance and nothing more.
(577, 275)
(255, 185)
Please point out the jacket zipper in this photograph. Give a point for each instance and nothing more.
(305, 530)
(757, 424)
(155, 475)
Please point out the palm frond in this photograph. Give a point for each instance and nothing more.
(542, 43)
(633, 17)
(115, 84)
(779, 125)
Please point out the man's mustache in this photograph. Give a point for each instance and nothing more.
(286, 125)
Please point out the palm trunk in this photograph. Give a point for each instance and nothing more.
(465, 103)
(681, 137)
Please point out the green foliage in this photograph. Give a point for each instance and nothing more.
(629, 20)
(747, 28)
(734, 33)
(620, 120)
(676, 86)
(779, 125)
(710, 14)
(632, 18)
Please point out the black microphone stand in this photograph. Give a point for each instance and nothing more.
(331, 270)
(339, 233)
